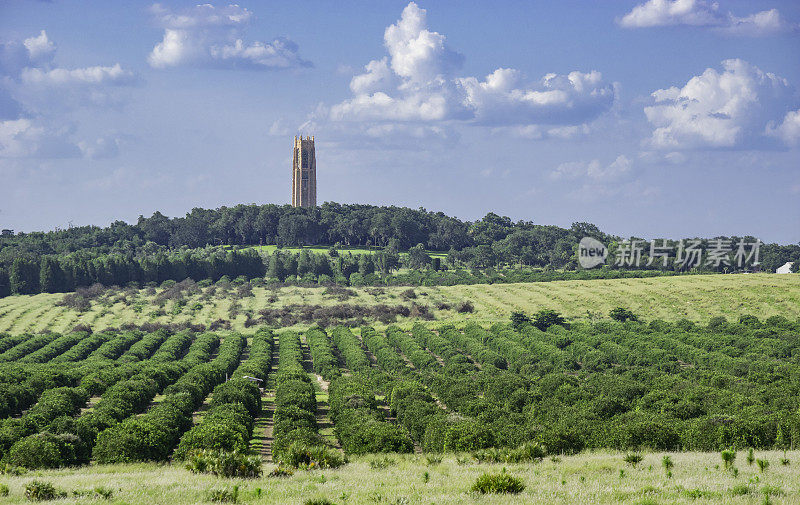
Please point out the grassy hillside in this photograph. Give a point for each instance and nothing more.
(696, 297)
(587, 478)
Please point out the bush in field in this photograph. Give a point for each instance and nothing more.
(241, 391)
(35, 451)
(45, 450)
(528, 452)
(518, 319)
(42, 491)
(546, 318)
(225, 464)
(211, 436)
(299, 455)
(728, 457)
(301, 436)
(501, 483)
(633, 459)
(622, 314)
(224, 495)
(139, 439)
(465, 307)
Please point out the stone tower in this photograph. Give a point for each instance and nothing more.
(304, 173)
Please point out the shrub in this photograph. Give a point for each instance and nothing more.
(212, 436)
(42, 491)
(318, 501)
(299, 455)
(527, 452)
(728, 458)
(465, 307)
(225, 464)
(622, 314)
(46, 450)
(4, 490)
(633, 459)
(501, 483)
(763, 464)
(518, 319)
(223, 495)
(101, 492)
(546, 318)
(667, 463)
(280, 471)
(35, 451)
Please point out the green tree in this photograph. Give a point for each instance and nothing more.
(24, 276)
(518, 319)
(417, 257)
(51, 277)
(276, 268)
(622, 314)
(546, 318)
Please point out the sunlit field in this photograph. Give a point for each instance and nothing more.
(696, 297)
(590, 478)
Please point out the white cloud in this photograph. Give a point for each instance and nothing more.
(36, 95)
(555, 99)
(419, 56)
(24, 138)
(31, 82)
(208, 36)
(725, 109)
(788, 130)
(32, 52)
(417, 82)
(114, 75)
(701, 13)
(540, 132)
(201, 15)
(101, 148)
(593, 170)
(40, 48)
(378, 77)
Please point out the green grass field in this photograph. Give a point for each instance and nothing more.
(269, 249)
(589, 478)
(696, 297)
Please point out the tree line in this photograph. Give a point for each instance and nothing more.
(198, 246)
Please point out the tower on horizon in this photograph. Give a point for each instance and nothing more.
(304, 173)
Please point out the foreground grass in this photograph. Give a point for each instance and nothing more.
(694, 297)
(591, 478)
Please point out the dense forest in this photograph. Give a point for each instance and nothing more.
(208, 244)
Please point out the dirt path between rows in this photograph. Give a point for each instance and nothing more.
(264, 423)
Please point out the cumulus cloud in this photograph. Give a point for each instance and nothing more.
(594, 180)
(727, 109)
(208, 36)
(35, 51)
(25, 138)
(788, 130)
(593, 170)
(31, 81)
(114, 75)
(418, 82)
(701, 13)
(556, 99)
(35, 94)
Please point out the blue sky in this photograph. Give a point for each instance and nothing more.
(650, 118)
